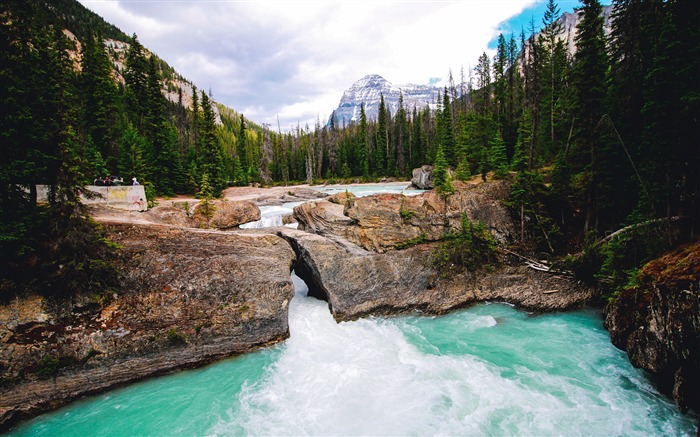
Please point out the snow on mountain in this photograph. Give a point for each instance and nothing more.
(369, 90)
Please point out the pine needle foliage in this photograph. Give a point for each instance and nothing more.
(470, 248)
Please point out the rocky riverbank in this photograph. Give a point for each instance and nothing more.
(658, 323)
(188, 297)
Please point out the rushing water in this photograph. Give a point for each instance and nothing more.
(487, 370)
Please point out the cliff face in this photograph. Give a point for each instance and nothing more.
(189, 297)
(658, 323)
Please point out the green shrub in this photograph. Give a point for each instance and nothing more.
(412, 242)
(175, 338)
(48, 366)
(406, 215)
(471, 248)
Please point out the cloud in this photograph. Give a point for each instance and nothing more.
(294, 59)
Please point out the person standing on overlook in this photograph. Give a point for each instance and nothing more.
(134, 181)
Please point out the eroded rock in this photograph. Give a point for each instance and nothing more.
(293, 194)
(423, 178)
(176, 215)
(386, 221)
(226, 214)
(658, 323)
(356, 282)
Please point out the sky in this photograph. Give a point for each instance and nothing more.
(291, 60)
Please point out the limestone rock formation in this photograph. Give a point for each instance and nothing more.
(387, 221)
(227, 214)
(357, 283)
(658, 323)
(188, 297)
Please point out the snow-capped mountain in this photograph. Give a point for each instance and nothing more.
(369, 90)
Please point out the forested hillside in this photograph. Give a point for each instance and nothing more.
(594, 142)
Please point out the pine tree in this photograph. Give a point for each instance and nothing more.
(131, 149)
(210, 153)
(497, 156)
(155, 104)
(381, 158)
(553, 64)
(241, 143)
(136, 78)
(533, 91)
(482, 103)
(51, 248)
(206, 194)
(401, 139)
(195, 120)
(447, 133)
(500, 65)
(589, 79)
(99, 96)
(514, 96)
(441, 177)
(520, 157)
(463, 172)
(670, 115)
(362, 144)
(96, 165)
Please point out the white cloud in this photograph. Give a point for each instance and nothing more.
(294, 59)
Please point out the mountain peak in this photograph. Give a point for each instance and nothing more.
(368, 91)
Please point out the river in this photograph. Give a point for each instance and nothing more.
(487, 370)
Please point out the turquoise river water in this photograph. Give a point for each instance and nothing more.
(487, 370)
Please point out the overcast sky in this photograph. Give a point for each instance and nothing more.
(293, 60)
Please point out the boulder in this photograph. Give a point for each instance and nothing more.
(170, 215)
(227, 214)
(288, 219)
(344, 198)
(321, 217)
(423, 178)
(294, 194)
(188, 297)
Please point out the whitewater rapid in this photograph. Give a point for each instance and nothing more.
(487, 370)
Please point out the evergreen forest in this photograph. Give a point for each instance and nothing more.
(593, 142)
